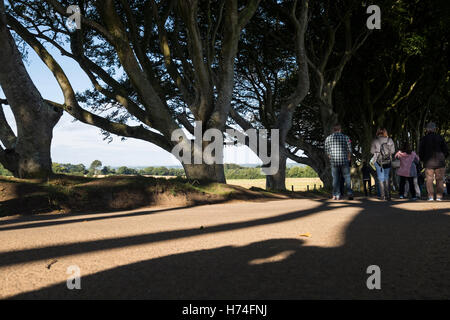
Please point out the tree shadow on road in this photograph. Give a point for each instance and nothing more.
(411, 248)
(29, 255)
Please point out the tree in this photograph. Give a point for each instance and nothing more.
(263, 66)
(301, 172)
(27, 154)
(330, 43)
(68, 168)
(107, 170)
(126, 170)
(95, 167)
(177, 59)
(333, 43)
(396, 79)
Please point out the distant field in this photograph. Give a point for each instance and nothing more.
(300, 184)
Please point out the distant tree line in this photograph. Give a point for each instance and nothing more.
(232, 171)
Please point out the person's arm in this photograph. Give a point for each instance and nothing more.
(373, 148)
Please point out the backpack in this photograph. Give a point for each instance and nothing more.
(385, 156)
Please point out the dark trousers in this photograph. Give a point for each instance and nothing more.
(367, 184)
(412, 189)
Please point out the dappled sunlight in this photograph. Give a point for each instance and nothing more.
(322, 244)
(25, 262)
(424, 207)
(275, 258)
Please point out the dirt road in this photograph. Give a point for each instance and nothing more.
(285, 249)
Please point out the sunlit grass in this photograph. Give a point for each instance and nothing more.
(300, 184)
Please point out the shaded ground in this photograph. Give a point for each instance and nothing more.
(242, 250)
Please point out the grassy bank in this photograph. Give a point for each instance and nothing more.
(66, 193)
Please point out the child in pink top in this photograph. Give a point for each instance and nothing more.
(407, 170)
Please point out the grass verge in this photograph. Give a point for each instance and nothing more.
(65, 194)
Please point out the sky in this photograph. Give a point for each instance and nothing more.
(76, 142)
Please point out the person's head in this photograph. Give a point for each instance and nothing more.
(406, 147)
(431, 127)
(337, 128)
(382, 132)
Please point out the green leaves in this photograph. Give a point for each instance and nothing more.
(413, 44)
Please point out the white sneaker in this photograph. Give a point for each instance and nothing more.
(430, 199)
(438, 199)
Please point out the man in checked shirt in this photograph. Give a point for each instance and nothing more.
(339, 149)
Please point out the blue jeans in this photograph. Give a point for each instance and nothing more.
(336, 173)
(382, 173)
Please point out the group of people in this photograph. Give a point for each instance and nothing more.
(432, 153)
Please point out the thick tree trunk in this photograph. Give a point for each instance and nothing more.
(29, 156)
(325, 175)
(277, 182)
(10, 160)
(328, 118)
(197, 166)
(320, 164)
(323, 169)
(33, 149)
(205, 172)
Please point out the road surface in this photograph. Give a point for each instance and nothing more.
(283, 249)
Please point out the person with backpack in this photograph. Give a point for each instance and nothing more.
(408, 170)
(432, 151)
(383, 149)
(339, 150)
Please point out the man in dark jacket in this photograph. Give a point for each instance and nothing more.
(433, 151)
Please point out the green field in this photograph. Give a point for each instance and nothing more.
(300, 184)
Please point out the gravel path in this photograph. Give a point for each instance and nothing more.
(284, 249)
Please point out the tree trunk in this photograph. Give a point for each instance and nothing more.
(277, 182)
(320, 164)
(325, 175)
(29, 156)
(10, 160)
(34, 150)
(205, 172)
(328, 118)
(323, 169)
